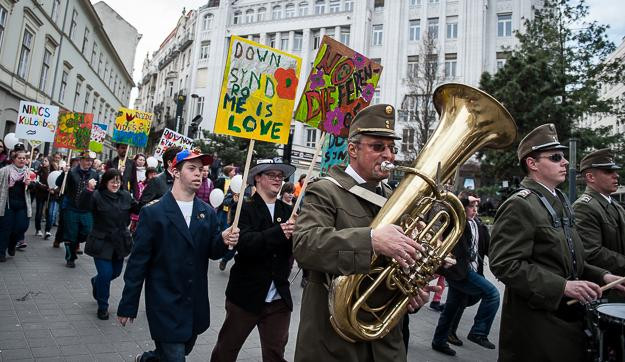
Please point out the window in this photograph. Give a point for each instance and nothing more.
(407, 140)
(260, 14)
(205, 49)
(56, 4)
(3, 21)
(349, 5)
(85, 40)
(72, 26)
(450, 65)
(433, 27)
(289, 11)
(434, 1)
(27, 43)
(302, 9)
(345, 36)
(378, 5)
(207, 21)
(276, 12)
(237, 18)
(100, 63)
(415, 30)
(94, 51)
(504, 25)
(106, 71)
(77, 93)
(431, 65)
(311, 137)
(316, 40)
(335, 6)
(284, 42)
(502, 57)
(413, 66)
(87, 96)
(63, 86)
(320, 7)
(376, 97)
(45, 68)
(452, 27)
(249, 16)
(415, 2)
(377, 35)
(95, 103)
(297, 42)
(272, 40)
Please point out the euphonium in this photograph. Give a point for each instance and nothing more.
(365, 307)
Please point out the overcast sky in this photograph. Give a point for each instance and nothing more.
(155, 19)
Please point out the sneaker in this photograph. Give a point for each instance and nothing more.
(103, 314)
(11, 250)
(453, 339)
(21, 244)
(70, 264)
(39, 233)
(48, 234)
(481, 340)
(222, 265)
(56, 244)
(437, 306)
(78, 251)
(443, 348)
(3, 258)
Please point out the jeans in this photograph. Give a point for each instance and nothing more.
(474, 285)
(13, 225)
(53, 207)
(169, 352)
(108, 270)
(77, 225)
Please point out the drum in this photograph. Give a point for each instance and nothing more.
(607, 324)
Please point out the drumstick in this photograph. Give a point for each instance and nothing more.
(603, 289)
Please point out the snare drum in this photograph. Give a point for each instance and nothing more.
(608, 327)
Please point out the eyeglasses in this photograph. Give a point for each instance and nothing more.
(556, 157)
(274, 176)
(380, 147)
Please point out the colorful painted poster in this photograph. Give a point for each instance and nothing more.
(258, 92)
(334, 152)
(74, 130)
(132, 127)
(98, 134)
(341, 83)
(36, 121)
(169, 139)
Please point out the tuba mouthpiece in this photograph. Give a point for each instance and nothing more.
(387, 166)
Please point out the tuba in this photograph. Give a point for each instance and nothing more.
(365, 307)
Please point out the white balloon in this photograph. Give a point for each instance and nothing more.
(52, 178)
(236, 183)
(10, 141)
(152, 161)
(216, 197)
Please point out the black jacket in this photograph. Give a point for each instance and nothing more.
(109, 238)
(156, 188)
(263, 254)
(462, 252)
(76, 184)
(172, 259)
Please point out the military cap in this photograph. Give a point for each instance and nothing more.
(539, 139)
(603, 158)
(377, 120)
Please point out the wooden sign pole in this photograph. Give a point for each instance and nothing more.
(69, 162)
(246, 170)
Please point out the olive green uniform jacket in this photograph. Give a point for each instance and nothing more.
(601, 226)
(532, 258)
(332, 237)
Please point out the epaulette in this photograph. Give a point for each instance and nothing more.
(152, 202)
(585, 198)
(523, 193)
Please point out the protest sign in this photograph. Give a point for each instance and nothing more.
(98, 134)
(334, 153)
(341, 83)
(169, 139)
(74, 130)
(258, 92)
(132, 127)
(36, 121)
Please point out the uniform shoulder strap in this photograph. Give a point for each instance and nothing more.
(360, 192)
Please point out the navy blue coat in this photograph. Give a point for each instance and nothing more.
(172, 259)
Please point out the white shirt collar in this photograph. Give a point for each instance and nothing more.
(350, 171)
(609, 198)
(548, 189)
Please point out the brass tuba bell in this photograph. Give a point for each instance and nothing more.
(365, 307)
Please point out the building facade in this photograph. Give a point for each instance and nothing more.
(472, 36)
(57, 52)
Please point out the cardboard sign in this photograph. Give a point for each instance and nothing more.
(341, 83)
(334, 153)
(74, 130)
(258, 92)
(170, 139)
(36, 121)
(132, 127)
(98, 134)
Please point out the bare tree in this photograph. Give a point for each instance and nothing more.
(424, 74)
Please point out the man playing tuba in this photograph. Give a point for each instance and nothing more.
(333, 237)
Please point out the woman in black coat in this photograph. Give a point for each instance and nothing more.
(109, 241)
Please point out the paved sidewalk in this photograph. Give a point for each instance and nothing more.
(47, 314)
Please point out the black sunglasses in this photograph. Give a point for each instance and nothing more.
(556, 157)
(380, 147)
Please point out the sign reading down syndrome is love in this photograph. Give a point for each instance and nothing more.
(341, 83)
(132, 127)
(258, 92)
(36, 121)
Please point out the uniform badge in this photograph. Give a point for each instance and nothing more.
(524, 193)
(389, 109)
(201, 216)
(585, 198)
(279, 220)
(152, 202)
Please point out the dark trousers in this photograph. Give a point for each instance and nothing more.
(273, 328)
(107, 271)
(39, 210)
(13, 225)
(169, 352)
(60, 230)
(474, 285)
(77, 225)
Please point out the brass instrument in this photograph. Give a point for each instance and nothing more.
(365, 307)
